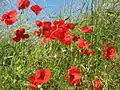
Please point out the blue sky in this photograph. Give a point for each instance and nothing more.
(51, 7)
(50, 3)
(55, 6)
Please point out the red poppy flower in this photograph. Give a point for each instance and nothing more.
(109, 52)
(74, 76)
(87, 51)
(38, 23)
(59, 22)
(59, 34)
(46, 25)
(23, 4)
(86, 29)
(97, 84)
(75, 38)
(50, 33)
(41, 77)
(9, 17)
(37, 9)
(82, 44)
(16, 39)
(32, 79)
(67, 39)
(33, 87)
(20, 34)
(57, 30)
(71, 26)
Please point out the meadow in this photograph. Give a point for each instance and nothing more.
(19, 60)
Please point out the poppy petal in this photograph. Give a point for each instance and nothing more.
(23, 4)
(38, 23)
(36, 9)
(88, 52)
(83, 44)
(32, 86)
(4, 16)
(46, 25)
(32, 79)
(86, 29)
(97, 84)
(25, 36)
(16, 39)
(10, 21)
(21, 30)
(12, 13)
(109, 52)
(71, 26)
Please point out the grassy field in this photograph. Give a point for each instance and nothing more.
(20, 60)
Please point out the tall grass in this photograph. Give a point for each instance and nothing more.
(20, 60)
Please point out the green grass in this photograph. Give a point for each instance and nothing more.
(18, 61)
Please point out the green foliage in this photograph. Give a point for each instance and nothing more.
(18, 61)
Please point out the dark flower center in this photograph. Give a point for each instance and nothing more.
(7, 16)
(72, 77)
(42, 75)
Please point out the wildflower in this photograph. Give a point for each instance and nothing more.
(74, 76)
(67, 39)
(75, 38)
(97, 84)
(23, 4)
(41, 77)
(59, 22)
(71, 26)
(20, 34)
(109, 52)
(56, 30)
(59, 34)
(38, 23)
(82, 44)
(86, 29)
(87, 51)
(9, 17)
(32, 86)
(46, 25)
(36, 9)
